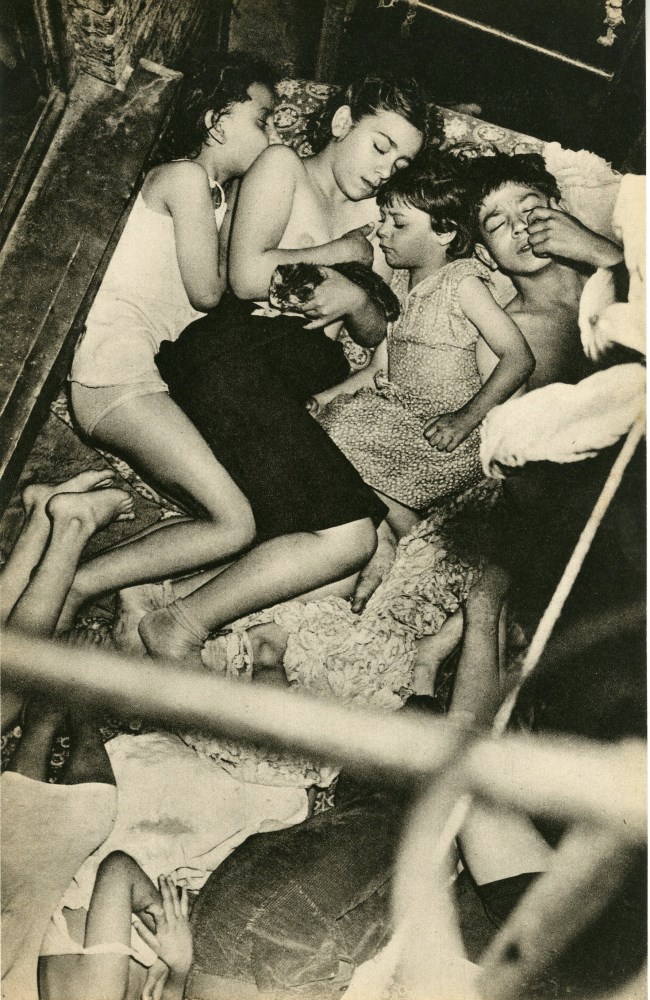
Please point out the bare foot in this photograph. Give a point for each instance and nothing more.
(133, 603)
(165, 638)
(35, 497)
(268, 643)
(81, 515)
(432, 650)
(374, 572)
(88, 512)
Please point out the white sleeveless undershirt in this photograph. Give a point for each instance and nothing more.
(141, 302)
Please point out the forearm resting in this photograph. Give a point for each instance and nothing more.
(367, 324)
(508, 376)
(251, 272)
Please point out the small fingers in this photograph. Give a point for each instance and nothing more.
(168, 893)
(185, 902)
(175, 895)
(147, 936)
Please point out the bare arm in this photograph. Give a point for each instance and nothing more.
(502, 335)
(264, 207)
(339, 298)
(360, 380)
(516, 364)
(185, 192)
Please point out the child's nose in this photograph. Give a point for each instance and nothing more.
(519, 224)
(383, 170)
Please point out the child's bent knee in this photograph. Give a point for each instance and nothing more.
(360, 538)
(115, 863)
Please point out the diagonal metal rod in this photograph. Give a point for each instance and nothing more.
(508, 37)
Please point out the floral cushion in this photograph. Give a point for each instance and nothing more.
(299, 98)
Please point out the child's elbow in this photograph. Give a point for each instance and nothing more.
(527, 364)
(204, 303)
(205, 299)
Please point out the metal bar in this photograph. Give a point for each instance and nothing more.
(399, 746)
(507, 37)
(599, 783)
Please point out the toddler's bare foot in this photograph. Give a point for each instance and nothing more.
(165, 637)
(268, 643)
(432, 650)
(36, 496)
(132, 605)
(374, 572)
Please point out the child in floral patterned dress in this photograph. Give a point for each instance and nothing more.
(414, 437)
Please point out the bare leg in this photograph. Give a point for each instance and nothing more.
(159, 441)
(48, 568)
(400, 517)
(136, 602)
(32, 756)
(274, 571)
(476, 690)
(496, 843)
(74, 517)
(87, 760)
(31, 543)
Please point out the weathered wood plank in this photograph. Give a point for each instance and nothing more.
(58, 249)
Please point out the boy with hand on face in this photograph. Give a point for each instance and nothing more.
(547, 254)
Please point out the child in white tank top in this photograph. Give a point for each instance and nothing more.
(169, 267)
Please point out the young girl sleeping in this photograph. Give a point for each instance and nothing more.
(168, 268)
(414, 437)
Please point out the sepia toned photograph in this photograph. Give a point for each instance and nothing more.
(323, 500)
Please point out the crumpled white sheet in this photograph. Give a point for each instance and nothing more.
(563, 423)
(588, 185)
(178, 813)
(603, 321)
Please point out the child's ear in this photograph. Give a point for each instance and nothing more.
(342, 122)
(485, 257)
(213, 127)
(444, 239)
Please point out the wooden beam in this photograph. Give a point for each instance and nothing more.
(61, 241)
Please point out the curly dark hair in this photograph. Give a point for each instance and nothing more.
(209, 84)
(370, 94)
(485, 174)
(433, 183)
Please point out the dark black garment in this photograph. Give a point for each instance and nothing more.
(243, 381)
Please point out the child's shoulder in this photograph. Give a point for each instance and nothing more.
(175, 174)
(277, 158)
(466, 267)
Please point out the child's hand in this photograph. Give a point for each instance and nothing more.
(448, 430)
(172, 940)
(154, 984)
(334, 298)
(554, 233)
(355, 245)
